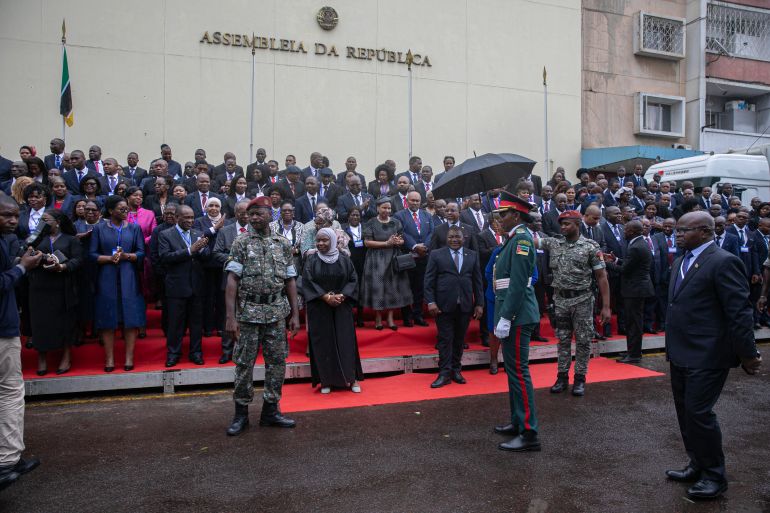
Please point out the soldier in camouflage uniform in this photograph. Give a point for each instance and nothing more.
(575, 260)
(260, 293)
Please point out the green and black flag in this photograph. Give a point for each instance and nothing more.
(65, 103)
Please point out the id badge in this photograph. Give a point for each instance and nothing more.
(744, 249)
(358, 243)
(672, 250)
(115, 250)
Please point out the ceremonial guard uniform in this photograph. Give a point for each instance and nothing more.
(263, 262)
(573, 264)
(516, 314)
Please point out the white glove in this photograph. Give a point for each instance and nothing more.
(503, 328)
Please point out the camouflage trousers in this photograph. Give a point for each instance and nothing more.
(578, 319)
(275, 349)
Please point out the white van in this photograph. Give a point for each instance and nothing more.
(749, 174)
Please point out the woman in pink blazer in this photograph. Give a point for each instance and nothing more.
(146, 220)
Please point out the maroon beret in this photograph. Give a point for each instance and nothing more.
(262, 201)
(570, 215)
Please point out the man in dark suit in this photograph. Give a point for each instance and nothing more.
(439, 237)
(615, 247)
(551, 219)
(709, 330)
(174, 167)
(543, 290)
(111, 178)
(724, 239)
(438, 217)
(487, 241)
(197, 200)
(350, 166)
(761, 244)
(132, 171)
(418, 228)
(413, 173)
(225, 172)
(473, 215)
(638, 177)
(94, 162)
(56, 159)
(304, 206)
(666, 240)
(5, 169)
(182, 250)
(453, 290)
(398, 200)
(225, 238)
(657, 270)
(491, 201)
(704, 199)
(18, 168)
(635, 287)
(74, 176)
(546, 202)
(291, 186)
(355, 197)
(261, 155)
(536, 181)
(328, 190)
(638, 200)
(748, 253)
(316, 164)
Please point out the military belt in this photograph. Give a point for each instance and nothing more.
(263, 299)
(568, 294)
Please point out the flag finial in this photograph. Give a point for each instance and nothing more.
(544, 76)
(409, 59)
(63, 32)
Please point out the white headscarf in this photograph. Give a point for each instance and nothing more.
(212, 201)
(330, 256)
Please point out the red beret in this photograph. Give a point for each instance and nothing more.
(262, 201)
(569, 215)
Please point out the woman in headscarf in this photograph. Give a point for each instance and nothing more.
(324, 218)
(214, 298)
(330, 288)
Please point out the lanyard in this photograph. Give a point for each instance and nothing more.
(356, 236)
(120, 232)
(185, 237)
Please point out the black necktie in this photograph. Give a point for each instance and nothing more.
(312, 202)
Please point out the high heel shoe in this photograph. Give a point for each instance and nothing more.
(63, 371)
(378, 327)
(42, 372)
(393, 327)
(109, 369)
(128, 368)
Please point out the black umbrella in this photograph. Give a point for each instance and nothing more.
(483, 173)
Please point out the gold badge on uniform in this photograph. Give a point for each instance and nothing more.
(522, 249)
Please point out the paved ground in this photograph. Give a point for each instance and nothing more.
(606, 452)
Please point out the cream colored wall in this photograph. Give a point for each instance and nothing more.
(612, 73)
(140, 77)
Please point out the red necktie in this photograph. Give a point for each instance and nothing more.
(497, 202)
(272, 179)
(545, 206)
(427, 187)
(242, 230)
(416, 221)
(498, 239)
(649, 244)
(670, 254)
(204, 199)
(405, 205)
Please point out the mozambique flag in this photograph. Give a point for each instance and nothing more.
(65, 103)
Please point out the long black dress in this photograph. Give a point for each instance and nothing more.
(53, 296)
(334, 358)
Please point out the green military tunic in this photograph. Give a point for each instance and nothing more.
(516, 300)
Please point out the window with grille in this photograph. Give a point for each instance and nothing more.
(738, 31)
(659, 36)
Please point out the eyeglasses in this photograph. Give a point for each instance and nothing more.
(685, 230)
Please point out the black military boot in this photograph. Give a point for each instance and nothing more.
(579, 386)
(8, 476)
(271, 416)
(527, 441)
(562, 383)
(240, 421)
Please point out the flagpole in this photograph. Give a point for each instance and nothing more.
(251, 117)
(63, 50)
(545, 124)
(409, 60)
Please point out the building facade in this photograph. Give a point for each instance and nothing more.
(666, 79)
(180, 72)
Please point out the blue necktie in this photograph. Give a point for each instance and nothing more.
(683, 270)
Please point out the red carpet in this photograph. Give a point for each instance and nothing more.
(405, 388)
(150, 353)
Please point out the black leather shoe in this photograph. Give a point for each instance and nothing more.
(440, 382)
(598, 336)
(628, 359)
(493, 368)
(458, 378)
(706, 489)
(170, 362)
(408, 323)
(562, 382)
(539, 339)
(522, 443)
(197, 360)
(465, 346)
(686, 475)
(26, 465)
(420, 322)
(271, 417)
(128, 368)
(8, 476)
(109, 369)
(507, 430)
(225, 358)
(240, 421)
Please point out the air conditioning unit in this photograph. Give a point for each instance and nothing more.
(678, 146)
(659, 36)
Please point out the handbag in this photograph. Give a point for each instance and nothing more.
(403, 262)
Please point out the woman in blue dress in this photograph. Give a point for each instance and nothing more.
(91, 216)
(117, 247)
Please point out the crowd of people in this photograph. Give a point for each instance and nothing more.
(125, 236)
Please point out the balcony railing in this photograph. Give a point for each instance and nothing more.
(738, 31)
